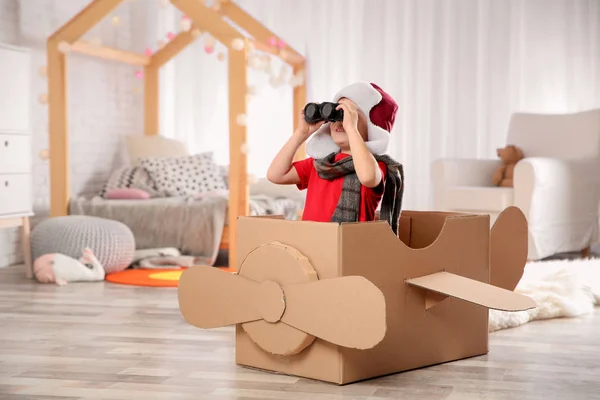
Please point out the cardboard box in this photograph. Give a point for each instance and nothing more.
(347, 302)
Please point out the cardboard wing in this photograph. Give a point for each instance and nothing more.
(336, 310)
(448, 284)
(508, 256)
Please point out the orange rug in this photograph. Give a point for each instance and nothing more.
(150, 277)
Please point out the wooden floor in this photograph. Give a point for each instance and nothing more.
(105, 341)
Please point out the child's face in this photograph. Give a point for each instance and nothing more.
(339, 135)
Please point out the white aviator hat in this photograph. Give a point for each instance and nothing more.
(380, 110)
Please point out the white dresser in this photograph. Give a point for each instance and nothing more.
(16, 205)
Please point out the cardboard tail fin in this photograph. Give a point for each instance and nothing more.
(473, 291)
(508, 248)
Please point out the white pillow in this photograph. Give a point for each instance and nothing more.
(153, 146)
(184, 176)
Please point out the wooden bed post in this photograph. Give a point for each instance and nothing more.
(238, 158)
(57, 99)
(58, 131)
(151, 100)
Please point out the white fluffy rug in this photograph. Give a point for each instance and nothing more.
(561, 288)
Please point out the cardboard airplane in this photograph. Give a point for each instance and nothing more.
(352, 301)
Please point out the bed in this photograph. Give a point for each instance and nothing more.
(244, 37)
(197, 227)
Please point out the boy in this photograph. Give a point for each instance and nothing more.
(347, 174)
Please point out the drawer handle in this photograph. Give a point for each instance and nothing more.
(6, 183)
(6, 143)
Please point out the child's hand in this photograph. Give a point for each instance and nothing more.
(304, 129)
(350, 121)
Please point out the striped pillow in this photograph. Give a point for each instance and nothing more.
(131, 177)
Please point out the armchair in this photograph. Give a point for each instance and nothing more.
(556, 185)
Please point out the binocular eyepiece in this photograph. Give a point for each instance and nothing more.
(315, 112)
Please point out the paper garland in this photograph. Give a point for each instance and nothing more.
(64, 47)
(186, 23)
(237, 44)
(241, 120)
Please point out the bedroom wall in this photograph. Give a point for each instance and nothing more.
(9, 21)
(105, 102)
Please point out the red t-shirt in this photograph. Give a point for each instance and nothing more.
(322, 195)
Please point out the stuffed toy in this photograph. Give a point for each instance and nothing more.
(60, 269)
(510, 156)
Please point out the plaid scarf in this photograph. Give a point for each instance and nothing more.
(348, 206)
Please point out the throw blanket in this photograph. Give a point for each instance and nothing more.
(192, 226)
(348, 207)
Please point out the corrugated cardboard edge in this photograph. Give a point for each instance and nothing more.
(339, 353)
(404, 225)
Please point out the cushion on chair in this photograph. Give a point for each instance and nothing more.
(484, 199)
(111, 241)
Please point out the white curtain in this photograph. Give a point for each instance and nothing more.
(457, 68)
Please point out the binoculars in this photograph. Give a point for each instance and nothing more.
(315, 112)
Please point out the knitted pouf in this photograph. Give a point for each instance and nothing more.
(111, 241)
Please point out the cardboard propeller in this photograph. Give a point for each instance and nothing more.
(277, 292)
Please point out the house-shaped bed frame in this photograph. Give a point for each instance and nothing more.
(212, 20)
